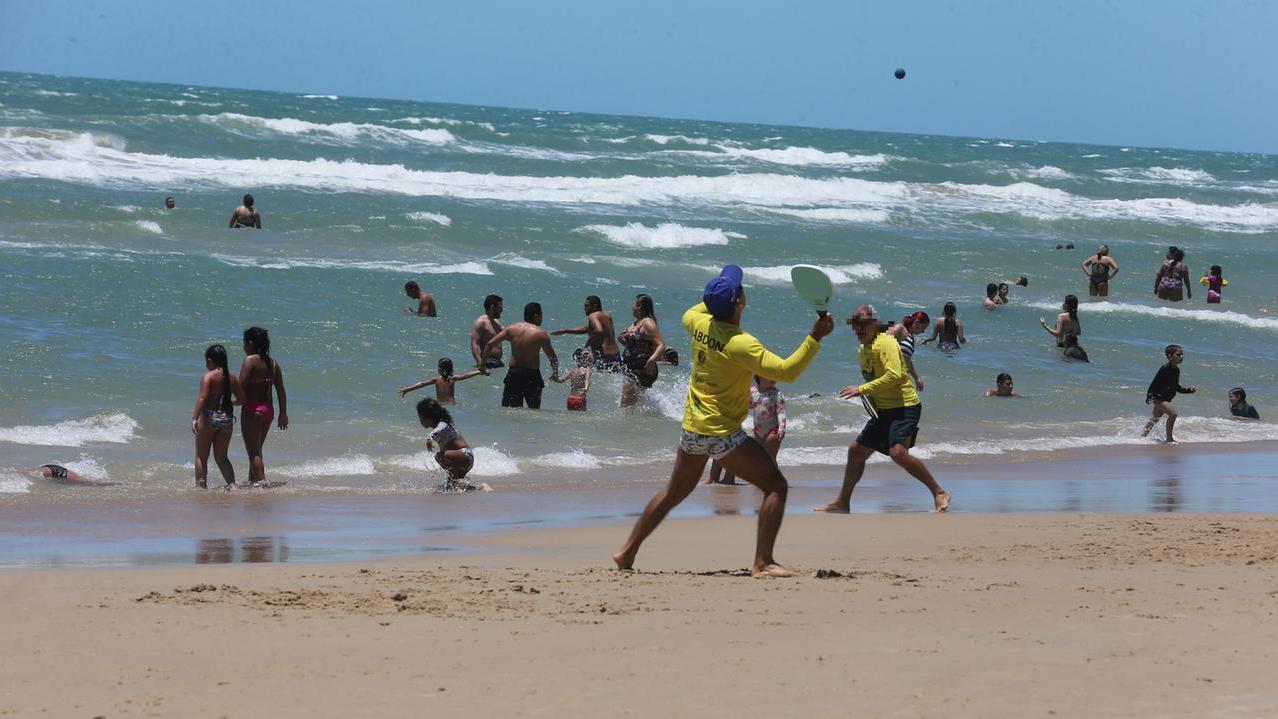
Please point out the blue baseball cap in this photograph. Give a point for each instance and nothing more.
(723, 291)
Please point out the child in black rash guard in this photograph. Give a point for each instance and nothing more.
(1163, 390)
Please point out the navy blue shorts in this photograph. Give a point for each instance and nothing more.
(893, 426)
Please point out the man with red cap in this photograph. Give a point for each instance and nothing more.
(725, 359)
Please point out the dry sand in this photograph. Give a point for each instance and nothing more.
(900, 615)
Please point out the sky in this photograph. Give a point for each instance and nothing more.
(1197, 75)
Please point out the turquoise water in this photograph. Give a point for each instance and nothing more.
(109, 300)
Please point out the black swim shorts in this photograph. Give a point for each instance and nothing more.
(522, 386)
(899, 425)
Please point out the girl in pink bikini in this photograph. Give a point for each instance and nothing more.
(258, 375)
(767, 407)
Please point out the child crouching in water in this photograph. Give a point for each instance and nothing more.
(1163, 390)
(578, 379)
(454, 456)
(767, 407)
(444, 383)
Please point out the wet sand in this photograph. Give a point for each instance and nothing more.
(60, 526)
(894, 615)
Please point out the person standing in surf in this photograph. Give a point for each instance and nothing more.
(213, 420)
(523, 383)
(260, 378)
(425, 300)
(911, 326)
(484, 328)
(1172, 281)
(644, 347)
(246, 215)
(1100, 269)
(949, 328)
(1067, 322)
(601, 336)
(893, 431)
(724, 360)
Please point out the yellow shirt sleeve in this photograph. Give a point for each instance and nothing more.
(747, 350)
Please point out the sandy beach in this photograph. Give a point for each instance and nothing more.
(895, 615)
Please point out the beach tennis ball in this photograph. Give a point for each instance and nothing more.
(900, 73)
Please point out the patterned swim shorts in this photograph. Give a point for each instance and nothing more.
(694, 443)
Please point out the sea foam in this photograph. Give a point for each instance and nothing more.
(113, 428)
(435, 217)
(460, 268)
(667, 235)
(1225, 316)
(340, 131)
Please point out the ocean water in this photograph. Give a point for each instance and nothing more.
(108, 300)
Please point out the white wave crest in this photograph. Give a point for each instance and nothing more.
(1160, 175)
(75, 157)
(1226, 316)
(461, 268)
(448, 121)
(113, 428)
(320, 97)
(341, 131)
(575, 459)
(492, 462)
(839, 275)
(14, 483)
(800, 156)
(1048, 172)
(514, 260)
(1120, 431)
(355, 465)
(435, 217)
(150, 226)
(667, 235)
(837, 214)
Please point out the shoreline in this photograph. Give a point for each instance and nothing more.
(1157, 615)
(87, 527)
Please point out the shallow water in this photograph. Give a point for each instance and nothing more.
(109, 300)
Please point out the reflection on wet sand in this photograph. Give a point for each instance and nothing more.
(252, 550)
(734, 499)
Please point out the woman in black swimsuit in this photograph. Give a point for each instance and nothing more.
(642, 347)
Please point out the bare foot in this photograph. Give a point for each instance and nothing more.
(942, 501)
(833, 508)
(623, 562)
(771, 570)
(483, 487)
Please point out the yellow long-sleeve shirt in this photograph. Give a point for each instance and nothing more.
(887, 383)
(725, 359)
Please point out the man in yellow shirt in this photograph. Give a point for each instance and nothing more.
(725, 358)
(893, 431)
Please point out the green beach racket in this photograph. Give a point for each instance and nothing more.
(813, 285)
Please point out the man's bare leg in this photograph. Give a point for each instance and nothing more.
(683, 479)
(901, 455)
(857, 455)
(752, 463)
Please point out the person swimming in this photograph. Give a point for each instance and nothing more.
(58, 473)
(246, 215)
(991, 297)
(1239, 406)
(1002, 387)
